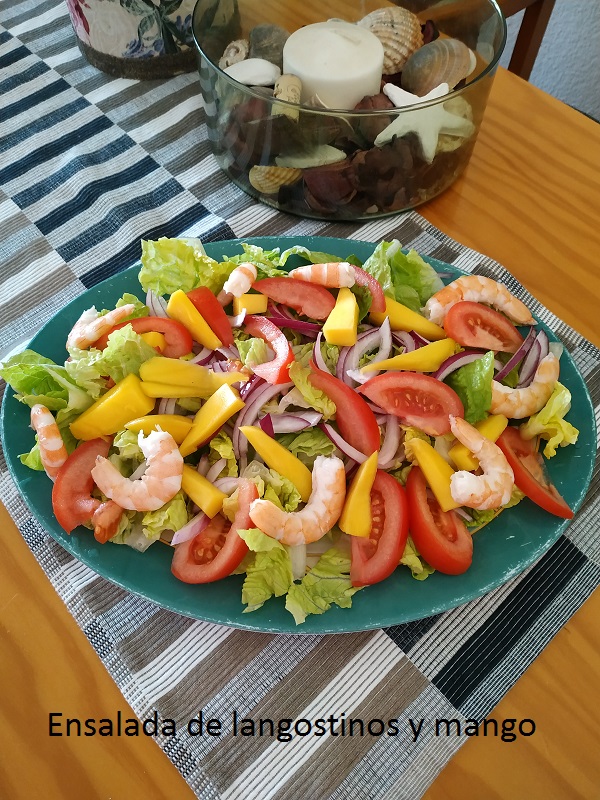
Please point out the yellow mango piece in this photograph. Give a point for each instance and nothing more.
(181, 308)
(341, 325)
(280, 459)
(219, 407)
(124, 402)
(253, 303)
(491, 427)
(356, 514)
(437, 472)
(170, 377)
(155, 339)
(405, 319)
(428, 358)
(206, 496)
(175, 424)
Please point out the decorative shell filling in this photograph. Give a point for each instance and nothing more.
(399, 31)
(269, 180)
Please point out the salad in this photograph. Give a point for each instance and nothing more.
(310, 424)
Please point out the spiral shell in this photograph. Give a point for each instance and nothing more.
(399, 31)
(234, 52)
(441, 61)
(269, 180)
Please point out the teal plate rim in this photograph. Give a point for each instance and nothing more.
(502, 550)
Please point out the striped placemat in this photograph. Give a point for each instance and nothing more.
(89, 165)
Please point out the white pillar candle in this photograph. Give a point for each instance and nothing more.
(338, 61)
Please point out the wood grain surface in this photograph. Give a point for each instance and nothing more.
(529, 199)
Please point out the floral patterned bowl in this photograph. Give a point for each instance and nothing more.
(135, 38)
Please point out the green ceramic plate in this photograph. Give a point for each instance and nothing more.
(502, 549)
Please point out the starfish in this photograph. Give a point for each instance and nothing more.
(427, 123)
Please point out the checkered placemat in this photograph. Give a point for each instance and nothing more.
(89, 165)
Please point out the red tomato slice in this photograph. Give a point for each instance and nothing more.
(178, 339)
(476, 325)
(375, 558)
(530, 473)
(276, 370)
(212, 312)
(415, 398)
(441, 537)
(71, 495)
(217, 550)
(354, 418)
(365, 279)
(307, 299)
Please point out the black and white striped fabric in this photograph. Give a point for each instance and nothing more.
(89, 165)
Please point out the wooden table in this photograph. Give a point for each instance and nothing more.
(529, 199)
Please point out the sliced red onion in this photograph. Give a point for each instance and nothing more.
(249, 414)
(203, 357)
(318, 355)
(405, 340)
(309, 329)
(227, 485)
(538, 351)
(216, 469)
(385, 346)
(518, 356)
(138, 472)
(250, 386)
(463, 514)
(236, 322)
(203, 465)
(195, 526)
(376, 409)
(292, 423)
(279, 310)
(391, 441)
(297, 555)
(266, 423)
(342, 444)
(167, 405)
(157, 305)
(231, 353)
(456, 361)
(340, 367)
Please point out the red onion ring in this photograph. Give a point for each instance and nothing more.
(342, 444)
(156, 305)
(195, 526)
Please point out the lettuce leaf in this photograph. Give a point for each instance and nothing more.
(27, 373)
(253, 351)
(314, 397)
(549, 423)
(171, 264)
(404, 276)
(473, 384)
(327, 583)
(269, 573)
(267, 262)
(307, 445)
(271, 486)
(140, 310)
(221, 446)
(481, 518)
(170, 517)
(411, 558)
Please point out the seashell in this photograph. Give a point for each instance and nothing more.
(235, 52)
(320, 156)
(441, 61)
(254, 72)
(288, 88)
(269, 180)
(399, 31)
(266, 41)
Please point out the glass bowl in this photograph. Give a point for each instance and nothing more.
(306, 156)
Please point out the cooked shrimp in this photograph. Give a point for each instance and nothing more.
(105, 520)
(477, 289)
(238, 283)
(160, 482)
(91, 326)
(519, 403)
(332, 275)
(493, 488)
(317, 517)
(53, 452)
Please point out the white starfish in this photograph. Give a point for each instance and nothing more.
(427, 123)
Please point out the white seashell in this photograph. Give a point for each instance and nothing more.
(269, 180)
(234, 53)
(254, 72)
(399, 31)
(441, 61)
(318, 157)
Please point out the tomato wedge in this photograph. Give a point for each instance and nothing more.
(277, 370)
(72, 502)
(365, 279)
(307, 299)
(217, 550)
(178, 339)
(354, 418)
(476, 325)
(441, 537)
(374, 559)
(530, 473)
(212, 312)
(415, 398)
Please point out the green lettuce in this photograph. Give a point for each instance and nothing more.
(473, 384)
(271, 486)
(170, 517)
(327, 583)
(411, 558)
(140, 310)
(171, 264)
(483, 517)
(404, 276)
(268, 573)
(315, 398)
(267, 262)
(253, 351)
(549, 423)
(307, 445)
(34, 381)
(221, 446)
